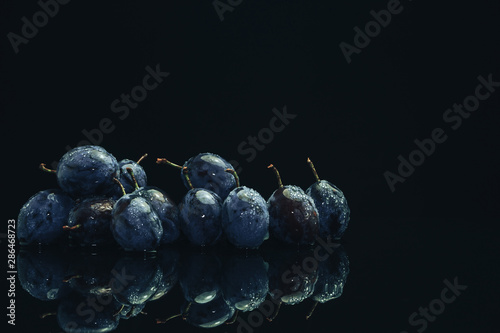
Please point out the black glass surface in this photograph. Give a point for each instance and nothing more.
(400, 113)
(89, 290)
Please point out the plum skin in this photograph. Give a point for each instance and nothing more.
(94, 215)
(135, 224)
(333, 210)
(42, 217)
(293, 217)
(87, 170)
(245, 282)
(245, 218)
(208, 171)
(166, 209)
(200, 216)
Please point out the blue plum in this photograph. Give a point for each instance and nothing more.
(245, 218)
(208, 171)
(199, 277)
(135, 224)
(166, 209)
(168, 261)
(42, 217)
(245, 281)
(204, 315)
(200, 217)
(125, 177)
(293, 217)
(76, 314)
(87, 170)
(143, 278)
(333, 210)
(41, 274)
(208, 315)
(332, 276)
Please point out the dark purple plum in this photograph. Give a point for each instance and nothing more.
(135, 224)
(42, 217)
(293, 217)
(245, 217)
(166, 209)
(89, 222)
(334, 213)
(87, 170)
(208, 171)
(200, 216)
(292, 275)
(91, 273)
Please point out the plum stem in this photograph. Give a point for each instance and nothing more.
(275, 313)
(43, 315)
(163, 321)
(233, 319)
(119, 311)
(67, 227)
(280, 184)
(185, 172)
(183, 314)
(165, 161)
(44, 168)
(312, 310)
(121, 185)
(235, 175)
(313, 169)
(142, 157)
(131, 172)
(186, 310)
(69, 278)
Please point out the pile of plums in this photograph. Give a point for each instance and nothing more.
(102, 201)
(94, 292)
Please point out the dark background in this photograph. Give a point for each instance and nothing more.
(353, 120)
